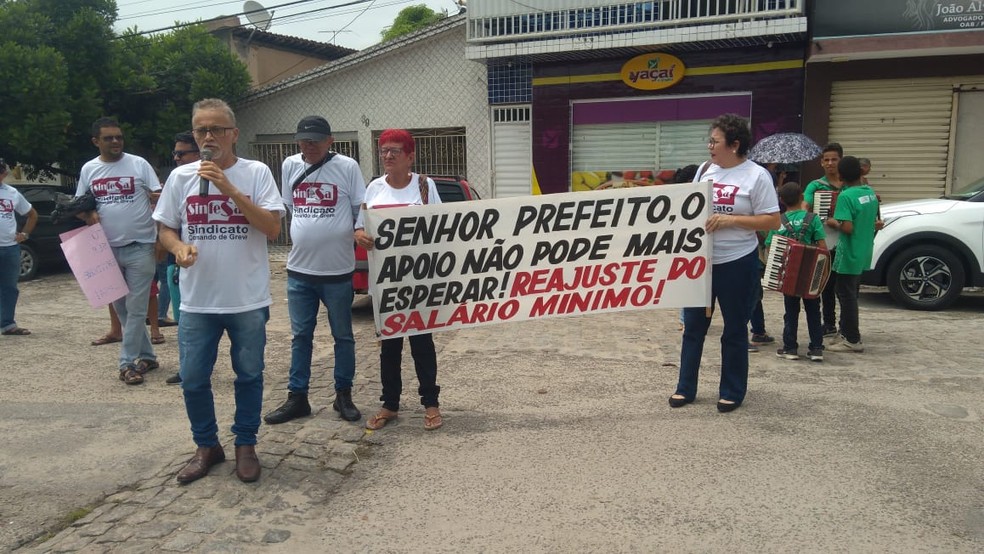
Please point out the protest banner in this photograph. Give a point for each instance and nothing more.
(93, 264)
(450, 266)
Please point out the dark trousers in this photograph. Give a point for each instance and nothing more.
(828, 297)
(732, 286)
(847, 294)
(424, 361)
(791, 322)
(758, 313)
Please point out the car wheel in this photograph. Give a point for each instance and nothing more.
(925, 278)
(28, 263)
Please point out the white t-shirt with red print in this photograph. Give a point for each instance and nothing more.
(12, 202)
(324, 208)
(122, 190)
(232, 273)
(745, 189)
(379, 194)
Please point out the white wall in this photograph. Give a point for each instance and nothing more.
(424, 84)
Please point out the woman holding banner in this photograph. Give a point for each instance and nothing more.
(401, 187)
(744, 202)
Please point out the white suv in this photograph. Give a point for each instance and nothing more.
(929, 250)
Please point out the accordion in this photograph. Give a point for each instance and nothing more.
(824, 203)
(796, 269)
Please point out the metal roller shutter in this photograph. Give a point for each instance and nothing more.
(642, 146)
(512, 144)
(903, 126)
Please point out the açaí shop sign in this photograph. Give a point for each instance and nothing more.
(652, 71)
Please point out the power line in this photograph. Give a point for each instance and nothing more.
(182, 25)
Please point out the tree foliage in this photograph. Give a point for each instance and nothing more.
(62, 66)
(411, 19)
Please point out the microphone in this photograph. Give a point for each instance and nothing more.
(206, 156)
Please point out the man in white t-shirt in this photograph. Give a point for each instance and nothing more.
(216, 216)
(324, 191)
(124, 187)
(12, 203)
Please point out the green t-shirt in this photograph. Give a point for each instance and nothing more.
(859, 205)
(817, 184)
(813, 234)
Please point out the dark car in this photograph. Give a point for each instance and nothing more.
(44, 246)
(451, 189)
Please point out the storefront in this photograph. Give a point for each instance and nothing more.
(635, 120)
(905, 89)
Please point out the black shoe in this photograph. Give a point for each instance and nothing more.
(296, 406)
(344, 406)
(678, 402)
(829, 331)
(174, 379)
(725, 407)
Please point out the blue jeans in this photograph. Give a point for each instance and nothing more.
(198, 347)
(304, 300)
(174, 291)
(9, 273)
(136, 261)
(163, 292)
(733, 285)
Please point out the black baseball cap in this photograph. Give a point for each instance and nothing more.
(313, 127)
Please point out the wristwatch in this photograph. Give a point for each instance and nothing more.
(26, 235)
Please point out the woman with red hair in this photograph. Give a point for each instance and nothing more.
(402, 187)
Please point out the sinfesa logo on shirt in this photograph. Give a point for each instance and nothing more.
(215, 217)
(315, 199)
(724, 195)
(109, 190)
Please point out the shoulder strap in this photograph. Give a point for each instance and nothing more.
(805, 227)
(312, 169)
(424, 188)
(786, 224)
(702, 169)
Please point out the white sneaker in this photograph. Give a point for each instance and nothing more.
(843, 345)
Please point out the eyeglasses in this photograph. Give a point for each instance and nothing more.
(711, 142)
(112, 138)
(384, 152)
(181, 153)
(217, 132)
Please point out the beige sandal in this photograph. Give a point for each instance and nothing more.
(433, 419)
(380, 420)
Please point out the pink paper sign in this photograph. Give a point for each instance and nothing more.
(91, 259)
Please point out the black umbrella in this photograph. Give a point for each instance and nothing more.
(784, 148)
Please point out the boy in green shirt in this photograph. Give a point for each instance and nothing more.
(803, 226)
(854, 217)
(831, 180)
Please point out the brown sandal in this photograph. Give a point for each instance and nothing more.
(17, 331)
(143, 366)
(130, 375)
(380, 420)
(106, 339)
(433, 420)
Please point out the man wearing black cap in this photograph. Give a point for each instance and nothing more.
(324, 191)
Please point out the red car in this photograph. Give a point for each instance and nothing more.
(451, 189)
